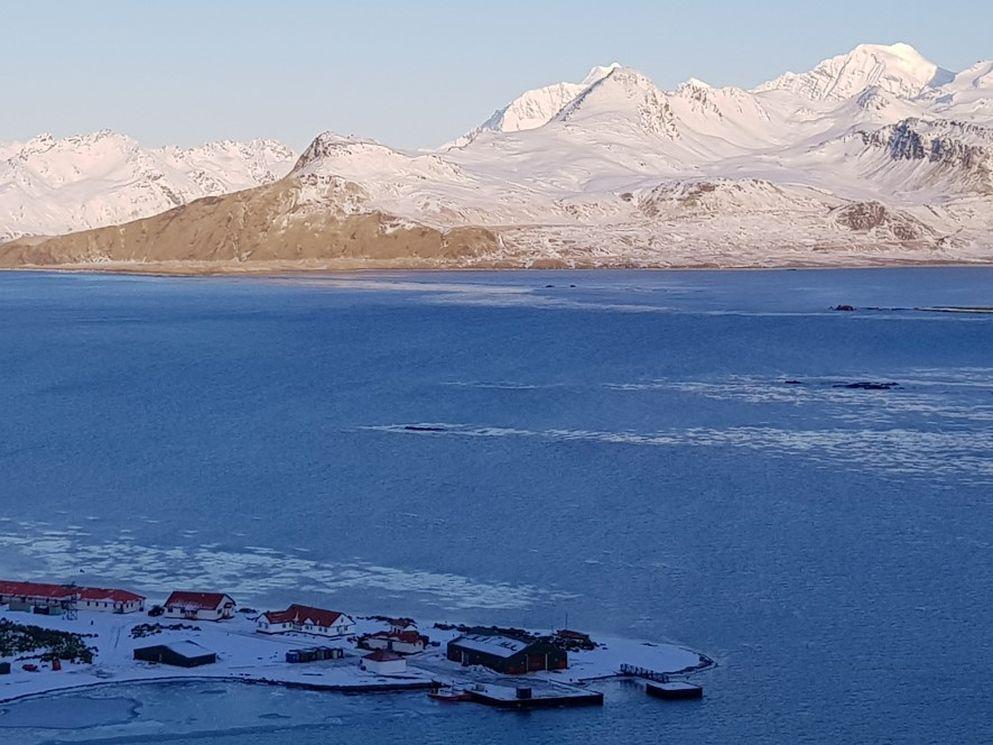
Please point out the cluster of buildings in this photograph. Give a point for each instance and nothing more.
(48, 599)
(387, 650)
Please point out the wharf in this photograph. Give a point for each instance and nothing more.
(503, 697)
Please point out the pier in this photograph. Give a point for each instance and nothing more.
(506, 697)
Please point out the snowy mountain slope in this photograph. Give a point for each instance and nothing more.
(50, 186)
(535, 108)
(877, 156)
(899, 69)
(969, 96)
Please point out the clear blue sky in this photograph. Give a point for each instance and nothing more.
(407, 73)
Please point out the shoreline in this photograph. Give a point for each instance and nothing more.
(272, 270)
(412, 687)
(247, 657)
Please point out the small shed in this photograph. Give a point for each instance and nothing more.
(384, 662)
(314, 654)
(177, 654)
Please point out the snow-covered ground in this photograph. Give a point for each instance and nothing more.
(50, 186)
(243, 654)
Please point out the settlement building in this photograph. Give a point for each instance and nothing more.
(48, 598)
(305, 620)
(178, 654)
(506, 654)
(199, 606)
(401, 642)
(110, 601)
(383, 662)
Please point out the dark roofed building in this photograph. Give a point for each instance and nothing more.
(506, 654)
(177, 654)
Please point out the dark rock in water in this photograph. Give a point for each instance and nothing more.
(792, 382)
(868, 386)
(845, 308)
(419, 428)
(547, 286)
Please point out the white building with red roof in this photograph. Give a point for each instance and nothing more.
(383, 662)
(110, 601)
(50, 597)
(199, 606)
(305, 620)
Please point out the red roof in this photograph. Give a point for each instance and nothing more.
(37, 590)
(66, 592)
(198, 600)
(117, 596)
(382, 655)
(303, 614)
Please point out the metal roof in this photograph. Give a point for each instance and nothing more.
(499, 646)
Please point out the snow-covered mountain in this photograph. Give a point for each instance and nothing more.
(898, 69)
(876, 156)
(535, 108)
(50, 186)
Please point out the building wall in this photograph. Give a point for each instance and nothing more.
(386, 667)
(341, 629)
(31, 600)
(199, 615)
(394, 644)
(264, 627)
(110, 606)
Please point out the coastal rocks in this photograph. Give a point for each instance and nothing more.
(874, 217)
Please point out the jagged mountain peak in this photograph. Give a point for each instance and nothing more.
(536, 107)
(896, 68)
(694, 84)
(625, 98)
(599, 72)
(330, 147)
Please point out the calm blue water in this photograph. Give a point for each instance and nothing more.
(626, 451)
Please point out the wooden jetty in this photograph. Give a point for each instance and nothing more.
(660, 685)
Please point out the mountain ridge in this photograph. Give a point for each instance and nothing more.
(876, 156)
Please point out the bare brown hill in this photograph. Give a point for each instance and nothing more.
(264, 225)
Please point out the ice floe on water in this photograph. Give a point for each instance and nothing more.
(249, 571)
(902, 451)
(925, 395)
